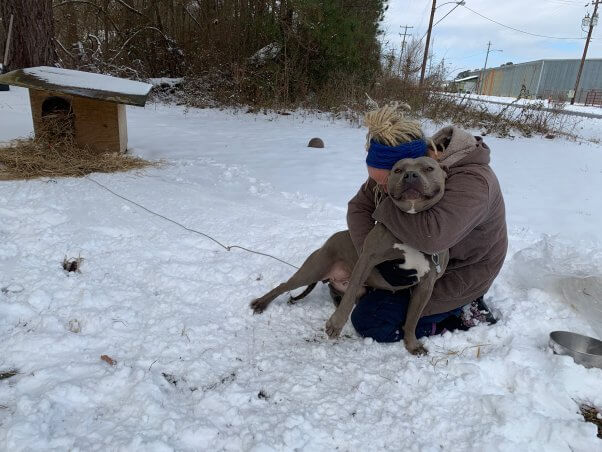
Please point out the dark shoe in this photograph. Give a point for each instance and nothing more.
(460, 319)
(478, 312)
(486, 312)
(451, 323)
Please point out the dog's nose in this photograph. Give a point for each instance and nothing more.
(410, 176)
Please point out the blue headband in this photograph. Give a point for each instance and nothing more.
(385, 157)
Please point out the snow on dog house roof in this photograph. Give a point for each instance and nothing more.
(78, 83)
(94, 104)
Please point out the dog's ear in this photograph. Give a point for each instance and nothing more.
(445, 170)
(401, 106)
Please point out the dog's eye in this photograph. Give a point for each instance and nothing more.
(397, 170)
(430, 168)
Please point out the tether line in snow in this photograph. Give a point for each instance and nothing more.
(226, 247)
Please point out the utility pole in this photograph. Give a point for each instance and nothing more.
(428, 41)
(432, 46)
(482, 78)
(403, 46)
(592, 24)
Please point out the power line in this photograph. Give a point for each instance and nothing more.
(470, 56)
(516, 29)
(567, 3)
(448, 13)
(423, 17)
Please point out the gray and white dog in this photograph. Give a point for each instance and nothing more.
(414, 185)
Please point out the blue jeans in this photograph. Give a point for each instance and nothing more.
(380, 314)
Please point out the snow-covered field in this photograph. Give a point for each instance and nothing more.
(563, 118)
(579, 108)
(195, 371)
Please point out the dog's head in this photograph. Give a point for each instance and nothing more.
(415, 185)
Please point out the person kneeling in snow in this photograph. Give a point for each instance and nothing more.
(469, 221)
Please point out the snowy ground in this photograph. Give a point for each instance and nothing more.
(196, 371)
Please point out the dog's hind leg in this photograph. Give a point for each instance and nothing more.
(314, 269)
(360, 273)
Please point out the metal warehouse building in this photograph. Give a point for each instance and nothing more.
(544, 79)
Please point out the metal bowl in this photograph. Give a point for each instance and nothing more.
(585, 350)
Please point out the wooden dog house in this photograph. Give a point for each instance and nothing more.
(94, 103)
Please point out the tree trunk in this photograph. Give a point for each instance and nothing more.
(33, 32)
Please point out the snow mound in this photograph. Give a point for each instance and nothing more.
(574, 273)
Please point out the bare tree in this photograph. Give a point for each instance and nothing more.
(312, 44)
(33, 32)
(410, 64)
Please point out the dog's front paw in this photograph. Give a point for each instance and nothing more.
(334, 327)
(416, 348)
(258, 306)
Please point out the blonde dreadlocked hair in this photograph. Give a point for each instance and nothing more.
(387, 125)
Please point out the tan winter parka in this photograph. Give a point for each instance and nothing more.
(469, 220)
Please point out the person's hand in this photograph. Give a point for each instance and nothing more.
(395, 275)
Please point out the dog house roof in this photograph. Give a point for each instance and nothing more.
(78, 83)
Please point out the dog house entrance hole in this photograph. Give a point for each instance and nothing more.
(57, 116)
(56, 105)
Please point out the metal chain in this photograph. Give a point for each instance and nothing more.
(226, 247)
(435, 259)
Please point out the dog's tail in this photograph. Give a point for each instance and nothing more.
(303, 294)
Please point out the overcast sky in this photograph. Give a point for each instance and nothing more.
(461, 38)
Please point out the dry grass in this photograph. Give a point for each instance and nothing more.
(53, 153)
(345, 98)
(445, 355)
(590, 414)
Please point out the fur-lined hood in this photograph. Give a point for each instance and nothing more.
(460, 147)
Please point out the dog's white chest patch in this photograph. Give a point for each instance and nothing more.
(414, 260)
(412, 209)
